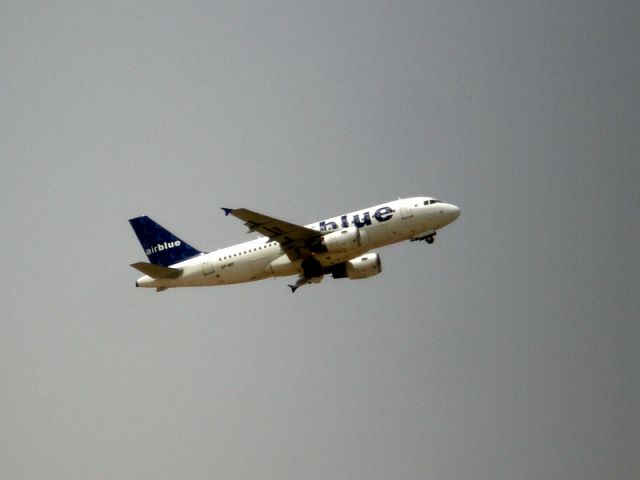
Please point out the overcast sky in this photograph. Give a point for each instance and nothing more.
(509, 349)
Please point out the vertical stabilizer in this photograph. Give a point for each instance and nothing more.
(161, 246)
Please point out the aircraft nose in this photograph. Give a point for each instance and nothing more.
(451, 212)
(455, 212)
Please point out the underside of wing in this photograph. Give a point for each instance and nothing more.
(289, 235)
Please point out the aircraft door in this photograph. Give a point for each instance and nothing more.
(207, 267)
(406, 212)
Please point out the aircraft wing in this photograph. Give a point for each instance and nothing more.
(287, 234)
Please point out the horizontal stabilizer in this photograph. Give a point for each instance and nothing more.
(157, 271)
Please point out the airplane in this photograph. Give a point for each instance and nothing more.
(340, 246)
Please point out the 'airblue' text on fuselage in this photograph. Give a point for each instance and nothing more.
(381, 215)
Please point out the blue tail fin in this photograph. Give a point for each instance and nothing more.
(161, 246)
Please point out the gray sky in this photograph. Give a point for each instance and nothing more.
(507, 350)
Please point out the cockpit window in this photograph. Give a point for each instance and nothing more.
(431, 202)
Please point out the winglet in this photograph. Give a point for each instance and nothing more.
(227, 211)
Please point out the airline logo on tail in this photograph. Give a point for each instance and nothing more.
(162, 246)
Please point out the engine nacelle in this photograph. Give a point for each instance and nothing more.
(344, 240)
(364, 266)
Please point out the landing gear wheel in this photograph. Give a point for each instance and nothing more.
(429, 239)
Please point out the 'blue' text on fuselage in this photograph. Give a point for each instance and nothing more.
(381, 215)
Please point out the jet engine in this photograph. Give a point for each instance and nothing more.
(364, 266)
(344, 240)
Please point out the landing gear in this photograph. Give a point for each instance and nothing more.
(429, 237)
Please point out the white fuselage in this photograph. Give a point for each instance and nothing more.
(261, 258)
